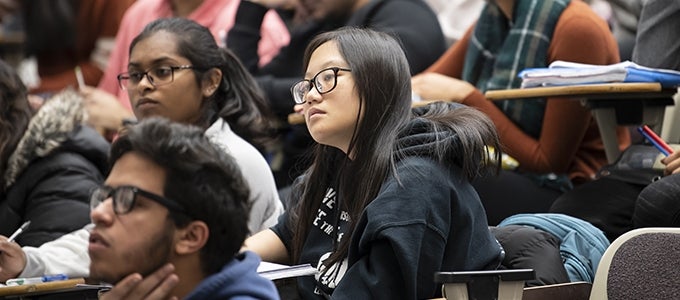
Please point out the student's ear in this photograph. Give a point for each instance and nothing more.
(211, 82)
(192, 238)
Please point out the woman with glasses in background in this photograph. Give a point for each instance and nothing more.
(387, 201)
(177, 71)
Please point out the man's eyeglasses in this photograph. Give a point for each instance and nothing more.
(124, 198)
(157, 76)
(324, 82)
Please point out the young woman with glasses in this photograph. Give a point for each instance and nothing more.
(387, 201)
(177, 71)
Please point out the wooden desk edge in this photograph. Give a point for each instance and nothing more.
(41, 287)
(575, 90)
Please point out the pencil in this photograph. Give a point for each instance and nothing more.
(79, 77)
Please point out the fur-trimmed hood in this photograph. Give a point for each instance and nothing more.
(59, 125)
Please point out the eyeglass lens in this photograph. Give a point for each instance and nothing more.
(324, 82)
(123, 198)
(157, 76)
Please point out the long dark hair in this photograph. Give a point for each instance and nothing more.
(15, 114)
(382, 79)
(238, 99)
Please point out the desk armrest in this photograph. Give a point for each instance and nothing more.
(493, 284)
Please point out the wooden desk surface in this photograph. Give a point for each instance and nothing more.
(591, 91)
(52, 286)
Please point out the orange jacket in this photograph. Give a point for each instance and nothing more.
(570, 140)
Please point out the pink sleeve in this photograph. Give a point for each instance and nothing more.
(118, 64)
(274, 36)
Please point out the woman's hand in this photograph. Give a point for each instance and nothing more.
(435, 86)
(104, 110)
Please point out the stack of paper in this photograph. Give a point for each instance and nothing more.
(569, 73)
(274, 271)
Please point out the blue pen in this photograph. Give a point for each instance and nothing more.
(654, 143)
(35, 280)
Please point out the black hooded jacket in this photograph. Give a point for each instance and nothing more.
(426, 218)
(51, 174)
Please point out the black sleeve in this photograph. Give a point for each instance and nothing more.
(278, 92)
(285, 69)
(417, 28)
(58, 202)
(244, 37)
(277, 76)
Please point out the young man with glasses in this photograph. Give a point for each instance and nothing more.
(165, 205)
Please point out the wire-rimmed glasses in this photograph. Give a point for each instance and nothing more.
(324, 82)
(157, 76)
(125, 196)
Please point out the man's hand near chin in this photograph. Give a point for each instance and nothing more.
(12, 259)
(158, 285)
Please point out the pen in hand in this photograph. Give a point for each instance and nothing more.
(18, 232)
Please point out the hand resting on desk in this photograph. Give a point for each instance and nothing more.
(12, 259)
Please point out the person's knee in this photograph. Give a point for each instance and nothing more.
(658, 205)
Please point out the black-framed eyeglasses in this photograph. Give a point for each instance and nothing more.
(125, 196)
(157, 76)
(324, 82)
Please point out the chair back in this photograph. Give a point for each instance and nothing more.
(640, 264)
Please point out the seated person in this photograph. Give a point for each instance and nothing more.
(556, 141)
(387, 201)
(615, 204)
(49, 162)
(165, 204)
